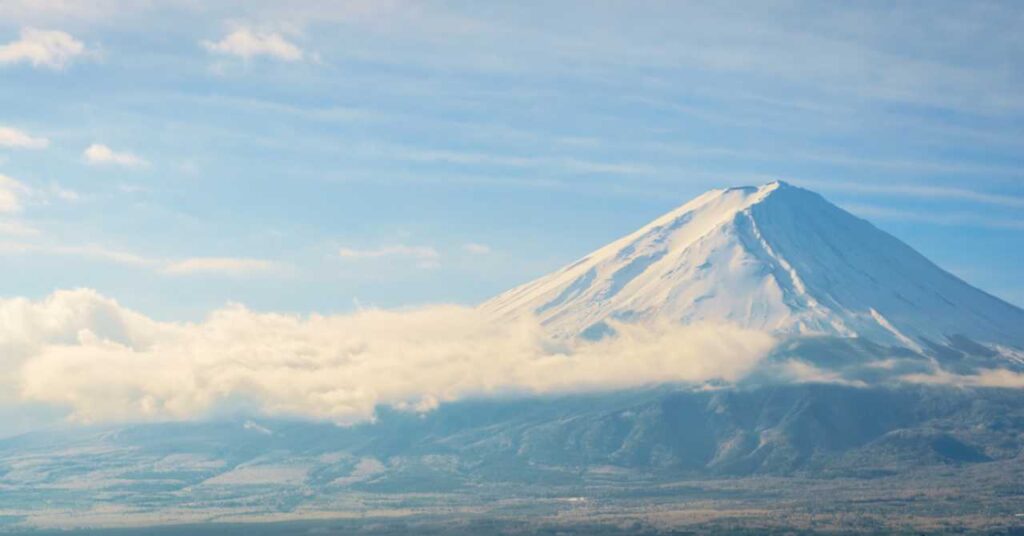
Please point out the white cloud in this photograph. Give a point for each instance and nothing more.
(568, 164)
(476, 249)
(796, 371)
(933, 217)
(86, 251)
(221, 265)
(12, 137)
(983, 378)
(66, 10)
(11, 193)
(225, 266)
(17, 228)
(247, 44)
(922, 192)
(62, 193)
(425, 256)
(14, 193)
(101, 154)
(105, 362)
(42, 48)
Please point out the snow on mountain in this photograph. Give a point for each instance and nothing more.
(775, 257)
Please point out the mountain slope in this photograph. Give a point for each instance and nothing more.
(774, 257)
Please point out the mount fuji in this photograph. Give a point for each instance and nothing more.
(856, 440)
(777, 258)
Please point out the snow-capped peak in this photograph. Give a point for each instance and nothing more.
(775, 257)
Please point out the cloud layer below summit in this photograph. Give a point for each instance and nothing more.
(83, 351)
(102, 362)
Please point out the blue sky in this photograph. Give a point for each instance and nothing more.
(180, 155)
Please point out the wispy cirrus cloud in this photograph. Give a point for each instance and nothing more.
(921, 191)
(14, 194)
(476, 249)
(967, 219)
(246, 43)
(568, 164)
(35, 11)
(64, 194)
(11, 193)
(424, 256)
(18, 139)
(191, 266)
(236, 266)
(88, 251)
(17, 228)
(52, 49)
(99, 154)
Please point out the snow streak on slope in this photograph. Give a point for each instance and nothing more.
(775, 257)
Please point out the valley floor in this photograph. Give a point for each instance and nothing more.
(978, 498)
(810, 458)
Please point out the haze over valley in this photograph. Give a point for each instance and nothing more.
(392, 267)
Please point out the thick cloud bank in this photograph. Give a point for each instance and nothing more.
(105, 362)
